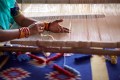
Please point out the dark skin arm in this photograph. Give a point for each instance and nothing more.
(54, 26)
(23, 21)
(6, 35)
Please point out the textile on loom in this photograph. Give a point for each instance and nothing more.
(85, 67)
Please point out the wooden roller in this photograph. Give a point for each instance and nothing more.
(95, 51)
(68, 1)
(76, 44)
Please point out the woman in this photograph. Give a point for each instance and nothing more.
(10, 13)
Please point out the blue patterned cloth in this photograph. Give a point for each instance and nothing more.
(33, 71)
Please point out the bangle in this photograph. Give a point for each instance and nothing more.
(47, 26)
(24, 32)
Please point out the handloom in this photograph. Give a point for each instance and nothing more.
(89, 34)
(93, 28)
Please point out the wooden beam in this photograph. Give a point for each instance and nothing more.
(68, 1)
(93, 51)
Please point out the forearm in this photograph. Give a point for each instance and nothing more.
(27, 21)
(6, 35)
(24, 21)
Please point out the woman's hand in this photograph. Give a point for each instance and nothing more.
(56, 28)
(36, 27)
(39, 27)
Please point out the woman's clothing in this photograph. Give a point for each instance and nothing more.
(8, 10)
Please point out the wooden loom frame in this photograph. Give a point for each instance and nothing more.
(93, 51)
(85, 47)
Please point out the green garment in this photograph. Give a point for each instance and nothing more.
(5, 16)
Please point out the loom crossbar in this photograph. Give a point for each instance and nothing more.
(92, 51)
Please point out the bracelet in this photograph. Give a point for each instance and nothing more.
(47, 26)
(24, 32)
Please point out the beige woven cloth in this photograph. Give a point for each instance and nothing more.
(99, 69)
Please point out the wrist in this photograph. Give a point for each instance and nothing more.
(47, 26)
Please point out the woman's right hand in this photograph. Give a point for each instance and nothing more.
(37, 27)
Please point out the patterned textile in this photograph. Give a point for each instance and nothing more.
(14, 74)
(33, 70)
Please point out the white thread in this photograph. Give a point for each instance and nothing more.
(43, 35)
(64, 63)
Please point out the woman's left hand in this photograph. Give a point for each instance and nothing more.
(56, 28)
